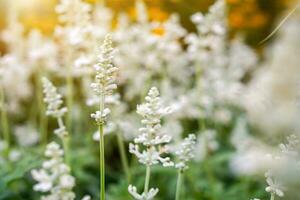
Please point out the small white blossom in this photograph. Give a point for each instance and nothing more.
(26, 135)
(54, 177)
(53, 100)
(99, 116)
(54, 106)
(274, 186)
(185, 152)
(144, 196)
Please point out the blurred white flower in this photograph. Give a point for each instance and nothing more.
(274, 186)
(55, 176)
(206, 144)
(185, 152)
(144, 196)
(26, 135)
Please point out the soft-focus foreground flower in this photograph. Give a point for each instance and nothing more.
(54, 177)
(274, 187)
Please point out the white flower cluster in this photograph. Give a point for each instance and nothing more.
(14, 155)
(144, 196)
(105, 78)
(207, 48)
(152, 138)
(54, 103)
(105, 70)
(274, 187)
(54, 177)
(186, 152)
(285, 164)
(148, 49)
(53, 100)
(75, 16)
(150, 135)
(26, 135)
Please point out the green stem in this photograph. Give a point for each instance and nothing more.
(178, 185)
(43, 120)
(4, 119)
(69, 80)
(101, 151)
(123, 157)
(69, 98)
(147, 179)
(211, 177)
(66, 143)
(272, 196)
(102, 163)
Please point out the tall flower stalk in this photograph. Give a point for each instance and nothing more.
(123, 157)
(184, 153)
(55, 109)
(103, 85)
(4, 119)
(153, 141)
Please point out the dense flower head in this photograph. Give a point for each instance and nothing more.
(151, 135)
(151, 139)
(152, 111)
(185, 152)
(54, 176)
(53, 100)
(105, 70)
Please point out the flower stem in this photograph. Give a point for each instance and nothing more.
(178, 185)
(4, 119)
(69, 99)
(147, 179)
(101, 151)
(123, 157)
(102, 163)
(272, 196)
(66, 143)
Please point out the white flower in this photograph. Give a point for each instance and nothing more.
(45, 181)
(185, 152)
(105, 71)
(26, 135)
(274, 186)
(54, 176)
(86, 197)
(53, 99)
(150, 135)
(66, 181)
(151, 139)
(144, 196)
(99, 116)
(206, 144)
